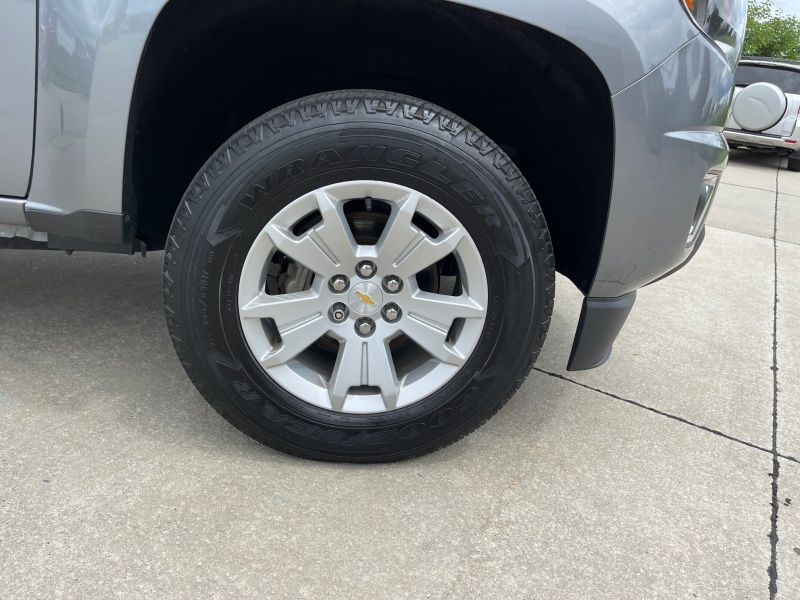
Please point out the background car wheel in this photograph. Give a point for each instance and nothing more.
(358, 276)
(794, 164)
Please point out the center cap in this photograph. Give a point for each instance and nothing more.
(365, 298)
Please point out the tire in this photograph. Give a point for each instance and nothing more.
(225, 267)
(794, 164)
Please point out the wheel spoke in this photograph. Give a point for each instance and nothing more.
(334, 232)
(431, 335)
(296, 337)
(284, 309)
(381, 372)
(362, 362)
(346, 372)
(424, 252)
(399, 233)
(325, 249)
(442, 309)
(307, 249)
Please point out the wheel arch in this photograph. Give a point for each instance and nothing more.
(204, 74)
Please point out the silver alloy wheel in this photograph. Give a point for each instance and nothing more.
(363, 378)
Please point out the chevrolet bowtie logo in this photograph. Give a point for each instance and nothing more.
(365, 298)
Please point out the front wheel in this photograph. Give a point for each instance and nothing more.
(358, 276)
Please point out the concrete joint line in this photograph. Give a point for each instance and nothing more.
(671, 416)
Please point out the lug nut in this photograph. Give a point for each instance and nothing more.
(339, 283)
(392, 283)
(365, 269)
(365, 326)
(338, 312)
(391, 312)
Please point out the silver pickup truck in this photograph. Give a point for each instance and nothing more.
(362, 204)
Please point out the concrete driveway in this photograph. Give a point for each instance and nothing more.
(672, 472)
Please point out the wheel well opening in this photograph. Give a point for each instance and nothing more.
(211, 67)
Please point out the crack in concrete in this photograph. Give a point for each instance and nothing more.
(776, 465)
(670, 416)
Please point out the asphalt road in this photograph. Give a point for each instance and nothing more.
(672, 472)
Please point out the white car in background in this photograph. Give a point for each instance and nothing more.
(765, 107)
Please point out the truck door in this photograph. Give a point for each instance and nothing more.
(17, 94)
